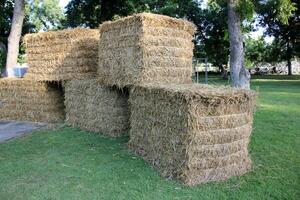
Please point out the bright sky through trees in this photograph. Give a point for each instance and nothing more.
(63, 3)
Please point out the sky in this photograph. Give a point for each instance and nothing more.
(253, 34)
(63, 3)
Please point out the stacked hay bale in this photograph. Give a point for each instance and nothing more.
(27, 100)
(53, 57)
(62, 55)
(145, 48)
(132, 50)
(192, 132)
(195, 133)
(94, 107)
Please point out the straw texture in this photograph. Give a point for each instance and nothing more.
(145, 48)
(195, 133)
(97, 108)
(27, 100)
(62, 55)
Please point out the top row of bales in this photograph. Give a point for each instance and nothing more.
(62, 55)
(145, 48)
(142, 48)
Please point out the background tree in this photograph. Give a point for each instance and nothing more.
(258, 51)
(38, 15)
(15, 33)
(90, 13)
(213, 37)
(43, 15)
(282, 20)
(6, 10)
(238, 10)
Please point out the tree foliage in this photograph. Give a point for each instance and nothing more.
(281, 18)
(213, 39)
(6, 10)
(90, 13)
(43, 15)
(259, 51)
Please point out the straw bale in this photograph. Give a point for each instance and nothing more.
(145, 48)
(27, 100)
(62, 55)
(97, 108)
(195, 133)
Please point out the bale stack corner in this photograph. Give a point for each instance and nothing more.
(62, 55)
(145, 48)
(97, 108)
(194, 133)
(27, 100)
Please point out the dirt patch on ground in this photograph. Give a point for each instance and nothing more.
(13, 129)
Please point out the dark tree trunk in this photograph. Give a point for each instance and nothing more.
(289, 65)
(240, 77)
(224, 74)
(289, 58)
(15, 34)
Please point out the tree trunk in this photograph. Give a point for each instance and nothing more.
(289, 65)
(289, 58)
(240, 77)
(224, 74)
(15, 34)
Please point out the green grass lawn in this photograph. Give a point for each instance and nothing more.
(71, 164)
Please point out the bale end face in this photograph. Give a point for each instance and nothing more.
(62, 55)
(97, 108)
(27, 100)
(145, 48)
(194, 133)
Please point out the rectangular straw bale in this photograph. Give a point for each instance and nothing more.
(62, 55)
(195, 133)
(27, 100)
(93, 107)
(145, 48)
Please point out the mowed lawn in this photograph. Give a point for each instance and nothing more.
(71, 164)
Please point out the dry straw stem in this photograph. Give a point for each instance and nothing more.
(145, 48)
(62, 55)
(97, 108)
(27, 100)
(195, 133)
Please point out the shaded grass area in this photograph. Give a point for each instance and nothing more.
(71, 164)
